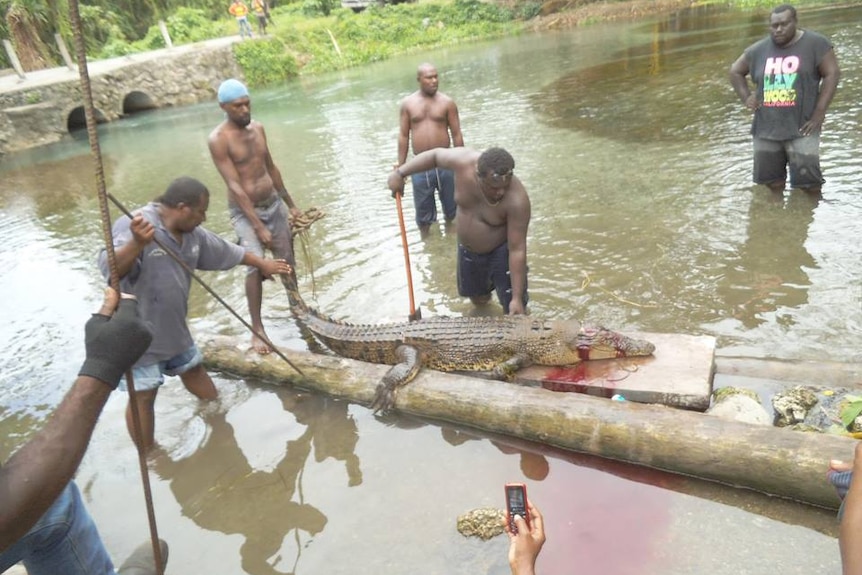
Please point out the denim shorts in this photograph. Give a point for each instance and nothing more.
(64, 541)
(424, 184)
(152, 376)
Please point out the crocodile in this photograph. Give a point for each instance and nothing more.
(500, 345)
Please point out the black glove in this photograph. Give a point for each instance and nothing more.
(115, 343)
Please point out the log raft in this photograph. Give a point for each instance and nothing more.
(776, 461)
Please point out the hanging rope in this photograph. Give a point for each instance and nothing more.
(93, 136)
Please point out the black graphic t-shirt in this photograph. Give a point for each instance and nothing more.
(788, 84)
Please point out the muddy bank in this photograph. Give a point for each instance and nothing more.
(559, 14)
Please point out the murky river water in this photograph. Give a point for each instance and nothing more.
(636, 155)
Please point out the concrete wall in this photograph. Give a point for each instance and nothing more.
(38, 113)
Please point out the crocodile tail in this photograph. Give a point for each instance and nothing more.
(298, 305)
(293, 295)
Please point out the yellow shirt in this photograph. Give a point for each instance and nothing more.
(238, 9)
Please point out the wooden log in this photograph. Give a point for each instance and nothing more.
(771, 460)
(793, 372)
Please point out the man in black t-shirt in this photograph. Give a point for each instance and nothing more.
(795, 75)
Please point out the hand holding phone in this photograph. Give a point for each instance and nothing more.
(516, 504)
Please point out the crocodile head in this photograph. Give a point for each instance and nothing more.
(602, 343)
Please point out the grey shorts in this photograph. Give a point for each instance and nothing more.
(274, 217)
(801, 155)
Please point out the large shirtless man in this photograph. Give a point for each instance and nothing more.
(430, 120)
(255, 192)
(493, 217)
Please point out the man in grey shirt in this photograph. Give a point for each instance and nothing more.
(162, 285)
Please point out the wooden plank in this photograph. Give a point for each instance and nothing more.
(679, 374)
(772, 460)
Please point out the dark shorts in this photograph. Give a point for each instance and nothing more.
(274, 216)
(802, 155)
(424, 185)
(480, 274)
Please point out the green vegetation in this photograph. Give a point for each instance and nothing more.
(344, 39)
(306, 36)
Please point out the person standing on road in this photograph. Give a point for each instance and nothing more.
(429, 119)
(795, 74)
(261, 12)
(493, 217)
(257, 197)
(239, 10)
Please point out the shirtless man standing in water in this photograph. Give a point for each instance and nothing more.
(493, 217)
(255, 192)
(430, 120)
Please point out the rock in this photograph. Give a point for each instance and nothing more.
(485, 523)
(737, 404)
(792, 406)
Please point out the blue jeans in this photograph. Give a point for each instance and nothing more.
(424, 185)
(147, 377)
(244, 27)
(63, 542)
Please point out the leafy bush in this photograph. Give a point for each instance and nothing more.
(265, 62)
(190, 25)
(101, 27)
(528, 10)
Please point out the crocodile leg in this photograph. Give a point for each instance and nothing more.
(505, 371)
(400, 374)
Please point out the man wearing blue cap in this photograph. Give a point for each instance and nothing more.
(256, 192)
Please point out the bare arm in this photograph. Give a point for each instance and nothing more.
(219, 151)
(830, 73)
(267, 267)
(403, 135)
(455, 125)
(738, 72)
(450, 158)
(34, 476)
(518, 221)
(125, 256)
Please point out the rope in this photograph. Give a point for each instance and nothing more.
(92, 134)
(299, 227)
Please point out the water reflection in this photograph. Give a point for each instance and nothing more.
(533, 465)
(220, 490)
(770, 270)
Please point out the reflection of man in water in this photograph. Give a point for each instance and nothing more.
(770, 270)
(533, 465)
(220, 491)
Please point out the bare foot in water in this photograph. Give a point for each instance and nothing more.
(260, 346)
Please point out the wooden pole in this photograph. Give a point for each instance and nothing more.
(64, 51)
(13, 59)
(165, 34)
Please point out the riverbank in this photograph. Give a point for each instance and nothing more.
(602, 11)
(558, 14)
